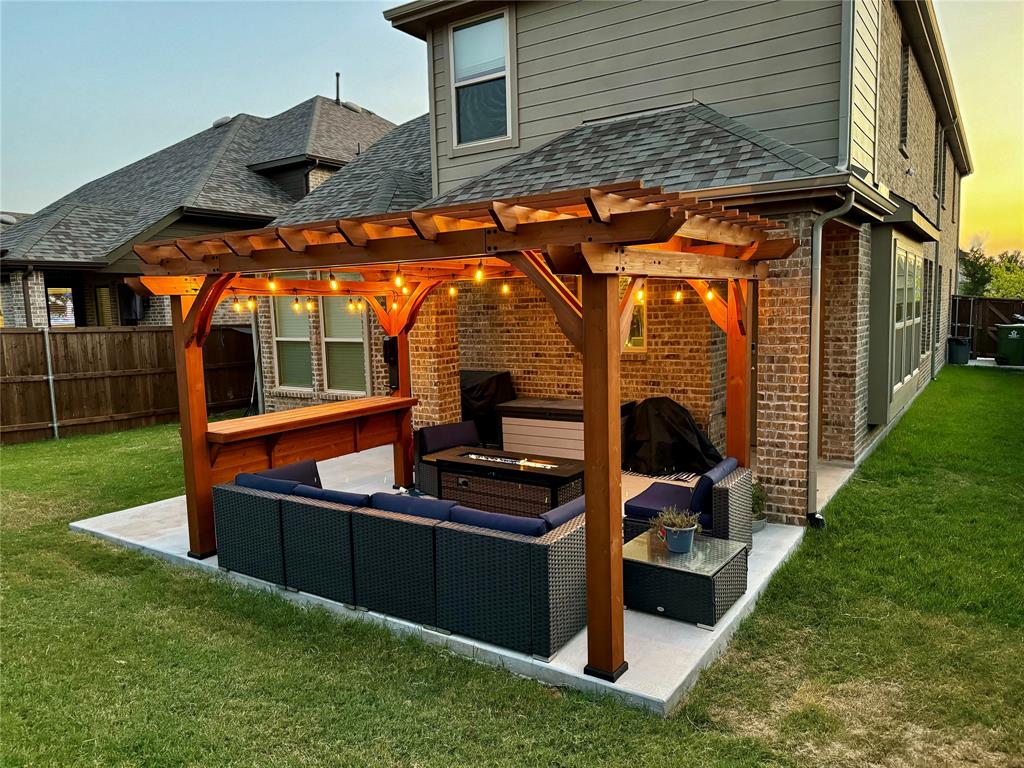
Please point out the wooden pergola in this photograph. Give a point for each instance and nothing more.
(600, 234)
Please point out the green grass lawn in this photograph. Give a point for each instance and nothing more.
(894, 637)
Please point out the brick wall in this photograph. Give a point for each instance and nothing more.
(12, 300)
(846, 254)
(434, 361)
(317, 176)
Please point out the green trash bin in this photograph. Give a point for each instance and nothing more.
(1010, 344)
(958, 350)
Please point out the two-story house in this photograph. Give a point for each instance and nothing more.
(837, 118)
(65, 265)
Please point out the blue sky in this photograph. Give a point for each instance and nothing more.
(86, 88)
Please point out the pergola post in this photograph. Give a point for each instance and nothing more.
(188, 364)
(738, 378)
(602, 455)
(403, 450)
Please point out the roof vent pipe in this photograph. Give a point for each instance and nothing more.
(814, 518)
(337, 88)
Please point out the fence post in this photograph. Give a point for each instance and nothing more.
(49, 381)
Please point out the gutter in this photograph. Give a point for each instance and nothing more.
(814, 519)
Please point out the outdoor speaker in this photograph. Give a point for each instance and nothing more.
(390, 352)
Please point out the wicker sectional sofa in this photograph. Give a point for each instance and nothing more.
(423, 560)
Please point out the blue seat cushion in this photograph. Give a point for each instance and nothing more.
(444, 436)
(434, 509)
(495, 521)
(304, 472)
(648, 504)
(563, 514)
(338, 497)
(702, 491)
(262, 483)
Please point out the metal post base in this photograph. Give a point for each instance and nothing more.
(609, 677)
(201, 555)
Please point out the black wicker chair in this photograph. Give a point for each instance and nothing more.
(440, 437)
(317, 544)
(247, 523)
(519, 592)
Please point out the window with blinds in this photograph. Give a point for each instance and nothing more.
(344, 334)
(291, 340)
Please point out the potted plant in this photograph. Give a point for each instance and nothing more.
(759, 518)
(676, 528)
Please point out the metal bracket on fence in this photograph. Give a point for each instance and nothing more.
(49, 382)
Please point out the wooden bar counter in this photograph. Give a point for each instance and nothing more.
(317, 432)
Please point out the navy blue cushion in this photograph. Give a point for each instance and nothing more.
(435, 509)
(261, 483)
(702, 492)
(646, 505)
(495, 521)
(304, 472)
(444, 436)
(338, 497)
(706, 521)
(563, 514)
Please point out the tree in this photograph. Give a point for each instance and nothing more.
(1007, 276)
(976, 269)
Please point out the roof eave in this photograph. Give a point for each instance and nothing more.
(416, 18)
(922, 29)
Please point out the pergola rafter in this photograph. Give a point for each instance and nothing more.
(600, 233)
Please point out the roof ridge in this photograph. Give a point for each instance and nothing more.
(313, 124)
(35, 237)
(204, 176)
(773, 146)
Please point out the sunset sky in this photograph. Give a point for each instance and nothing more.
(90, 87)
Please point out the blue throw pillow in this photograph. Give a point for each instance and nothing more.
(434, 509)
(338, 497)
(304, 472)
(563, 514)
(261, 483)
(495, 521)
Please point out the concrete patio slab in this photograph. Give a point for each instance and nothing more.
(665, 657)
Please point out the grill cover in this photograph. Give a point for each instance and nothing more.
(662, 437)
(481, 392)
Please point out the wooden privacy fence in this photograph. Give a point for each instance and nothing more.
(976, 318)
(107, 379)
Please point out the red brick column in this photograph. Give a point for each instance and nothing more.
(434, 359)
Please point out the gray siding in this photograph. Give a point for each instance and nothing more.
(773, 65)
(865, 84)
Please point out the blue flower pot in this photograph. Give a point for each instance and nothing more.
(678, 540)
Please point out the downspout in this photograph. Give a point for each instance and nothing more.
(814, 519)
(936, 309)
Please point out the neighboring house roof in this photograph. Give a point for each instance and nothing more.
(393, 175)
(207, 172)
(684, 148)
(10, 218)
(319, 128)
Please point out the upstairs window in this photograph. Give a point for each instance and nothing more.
(479, 79)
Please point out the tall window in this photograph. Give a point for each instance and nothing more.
(956, 194)
(907, 307)
(291, 340)
(927, 327)
(344, 352)
(939, 169)
(479, 79)
(904, 97)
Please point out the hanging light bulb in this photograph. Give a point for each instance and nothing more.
(309, 304)
(297, 305)
(453, 291)
(398, 278)
(360, 305)
(678, 295)
(250, 303)
(394, 305)
(640, 295)
(351, 305)
(505, 290)
(405, 290)
(334, 282)
(710, 295)
(271, 283)
(479, 274)
(235, 303)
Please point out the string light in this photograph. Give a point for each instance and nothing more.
(710, 295)
(351, 305)
(394, 305)
(678, 295)
(296, 305)
(309, 304)
(505, 289)
(405, 290)
(235, 303)
(271, 283)
(640, 296)
(479, 274)
(250, 303)
(359, 304)
(398, 278)
(453, 291)
(334, 282)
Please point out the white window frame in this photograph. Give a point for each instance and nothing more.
(277, 357)
(507, 73)
(914, 254)
(363, 339)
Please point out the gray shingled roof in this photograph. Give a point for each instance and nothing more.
(393, 175)
(320, 128)
(208, 171)
(686, 148)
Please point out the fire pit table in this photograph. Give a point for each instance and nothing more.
(513, 483)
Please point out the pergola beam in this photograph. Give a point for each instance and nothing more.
(618, 260)
(567, 308)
